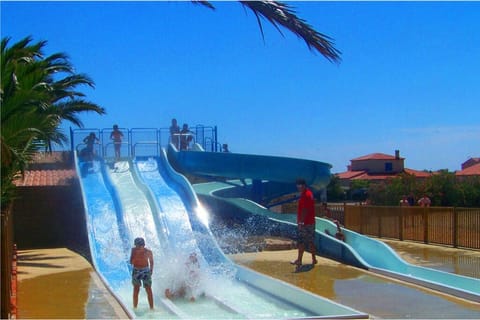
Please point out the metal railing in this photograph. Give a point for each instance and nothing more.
(141, 141)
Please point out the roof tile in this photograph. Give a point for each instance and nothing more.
(37, 178)
(470, 171)
(376, 156)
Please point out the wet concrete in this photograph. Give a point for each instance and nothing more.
(458, 261)
(59, 295)
(58, 283)
(376, 295)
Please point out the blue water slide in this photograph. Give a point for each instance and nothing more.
(230, 199)
(105, 227)
(246, 166)
(126, 199)
(248, 294)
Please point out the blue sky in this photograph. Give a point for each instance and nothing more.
(409, 77)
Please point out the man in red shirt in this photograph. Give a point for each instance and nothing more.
(305, 222)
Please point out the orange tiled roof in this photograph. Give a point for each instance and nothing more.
(37, 178)
(470, 171)
(364, 175)
(470, 162)
(370, 176)
(376, 156)
(418, 174)
(350, 174)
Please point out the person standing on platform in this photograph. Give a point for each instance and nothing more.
(117, 137)
(185, 137)
(89, 153)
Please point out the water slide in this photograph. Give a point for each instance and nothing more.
(232, 199)
(146, 197)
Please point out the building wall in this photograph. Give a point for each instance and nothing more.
(377, 166)
(51, 217)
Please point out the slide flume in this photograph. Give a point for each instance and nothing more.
(358, 250)
(234, 199)
(147, 198)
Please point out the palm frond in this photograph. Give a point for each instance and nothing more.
(278, 13)
(204, 3)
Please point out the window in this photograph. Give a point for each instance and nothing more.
(388, 167)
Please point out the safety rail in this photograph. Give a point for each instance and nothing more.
(212, 145)
(140, 143)
(112, 144)
(97, 146)
(184, 144)
(135, 138)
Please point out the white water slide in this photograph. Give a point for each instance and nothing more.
(147, 198)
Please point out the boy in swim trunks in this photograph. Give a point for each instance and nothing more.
(142, 260)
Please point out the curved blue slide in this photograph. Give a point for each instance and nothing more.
(231, 199)
(246, 166)
(146, 197)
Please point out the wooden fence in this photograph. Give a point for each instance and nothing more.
(457, 227)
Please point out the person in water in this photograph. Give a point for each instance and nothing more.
(141, 259)
(339, 234)
(189, 287)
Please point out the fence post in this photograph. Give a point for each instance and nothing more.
(425, 224)
(455, 228)
(379, 217)
(215, 137)
(362, 221)
(401, 222)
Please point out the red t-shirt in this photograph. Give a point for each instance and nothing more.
(308, 202)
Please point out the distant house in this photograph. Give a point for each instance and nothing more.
(377, 167)
(470, 162)
(471, 167)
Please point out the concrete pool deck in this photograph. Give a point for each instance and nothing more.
(59, 283)
(376, 295)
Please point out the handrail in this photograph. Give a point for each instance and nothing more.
(146, 143)
(205, 135)
(84, 144)
(215, 145)
(114, 143)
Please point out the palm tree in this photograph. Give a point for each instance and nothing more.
(281, 14)
(35, 100)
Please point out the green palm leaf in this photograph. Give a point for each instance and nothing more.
(281, 14)
(35, 100)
